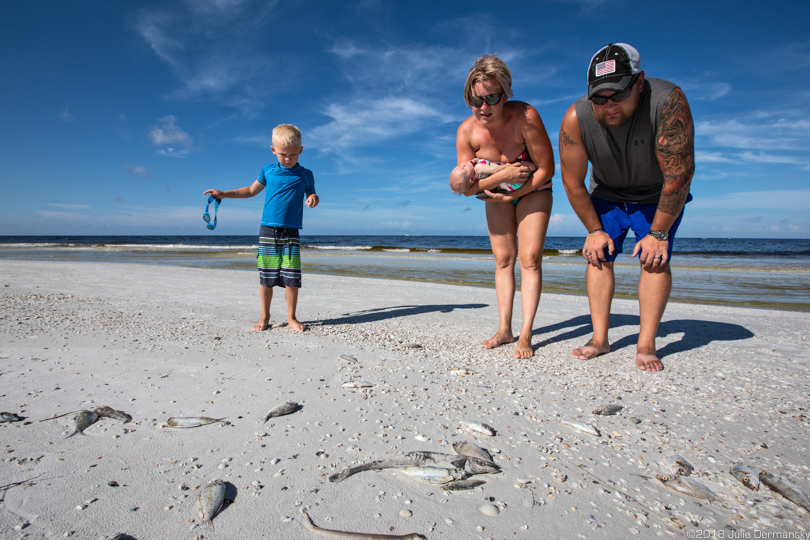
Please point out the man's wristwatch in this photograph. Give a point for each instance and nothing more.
(661, 236)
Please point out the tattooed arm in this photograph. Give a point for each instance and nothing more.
(675, 151)
(574, 169)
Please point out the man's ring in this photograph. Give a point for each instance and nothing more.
(660, 257)
(587, 253)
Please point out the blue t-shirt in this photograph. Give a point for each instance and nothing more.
(286, 190)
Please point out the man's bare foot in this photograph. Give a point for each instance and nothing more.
(648, 361)
(589, 350)
(295, 325)
(501, 338)
(262, 325)
(524, 348)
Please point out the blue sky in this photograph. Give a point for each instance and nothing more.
(116, 116)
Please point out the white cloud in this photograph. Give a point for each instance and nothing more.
(141, 171)
(212, 48)
(167, 132)
(700, 89)
(66, 115)
(68, 206)
(369, 122)
(796, 200)
(783, 131)
(170, 137)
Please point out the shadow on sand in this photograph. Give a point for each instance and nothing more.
(381, 314)
(696, 333)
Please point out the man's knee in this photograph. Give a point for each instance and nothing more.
(656, 270)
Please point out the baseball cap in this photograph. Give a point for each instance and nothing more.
(612, 68)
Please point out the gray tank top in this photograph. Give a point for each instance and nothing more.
(624, 168)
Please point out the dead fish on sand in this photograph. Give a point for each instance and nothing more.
(584, 428)
(283, 409)
(608, 409)
(357, 384)
(189, 421)
(107, 412)
(347, 358)
(468, 464)
(785, 488)
(83, 420)
(461, 372)
(745, 474)
(464, 448)
(434, 475)
(210, 501)
(687, 486)
(9, 417)
(332, 533)
(477, 427)
(678, 466)
(460, 485)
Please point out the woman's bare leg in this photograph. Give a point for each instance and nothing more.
(502, 229)
(533, 215)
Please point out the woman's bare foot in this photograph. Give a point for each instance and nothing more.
(589, 350)
(295, 325)
(524, 348)
(648, 361)
(263, 324)
(501, 338)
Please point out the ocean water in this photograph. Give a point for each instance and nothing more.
(768, 273)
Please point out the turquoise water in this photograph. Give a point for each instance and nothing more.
(736, 272)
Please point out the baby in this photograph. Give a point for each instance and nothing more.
(465, 175)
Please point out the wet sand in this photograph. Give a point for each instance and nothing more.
(159, 342)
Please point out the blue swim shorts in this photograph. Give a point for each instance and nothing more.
(618, 218)
(279, 257)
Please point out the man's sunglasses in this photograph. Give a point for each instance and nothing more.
(492, 99)
(618, 96)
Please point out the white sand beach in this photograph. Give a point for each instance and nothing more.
(158, 342)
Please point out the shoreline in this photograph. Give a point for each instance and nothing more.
(158, 341)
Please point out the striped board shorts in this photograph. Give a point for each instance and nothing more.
(279, 257)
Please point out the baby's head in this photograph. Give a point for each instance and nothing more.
(462, 177)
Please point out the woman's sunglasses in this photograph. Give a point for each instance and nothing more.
(618, 96)
(492, 99)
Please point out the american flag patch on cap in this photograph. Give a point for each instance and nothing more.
(605, 68)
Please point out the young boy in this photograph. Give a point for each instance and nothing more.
(279, 257)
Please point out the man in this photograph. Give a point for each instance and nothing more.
(638, 135)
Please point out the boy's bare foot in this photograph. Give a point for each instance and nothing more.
(648, 361)
(589, 350)
(262, 325)
(524, 348)
(501, 338)
(295, 325)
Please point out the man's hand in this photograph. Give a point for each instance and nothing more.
(594, 248)
(653, 251)
(312, 200)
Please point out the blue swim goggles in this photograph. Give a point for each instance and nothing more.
(207, 216)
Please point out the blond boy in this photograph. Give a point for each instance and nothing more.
(288, 186)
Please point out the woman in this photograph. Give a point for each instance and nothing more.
(502, 130)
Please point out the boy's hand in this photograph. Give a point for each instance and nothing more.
(215, 193)
(313, 200)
